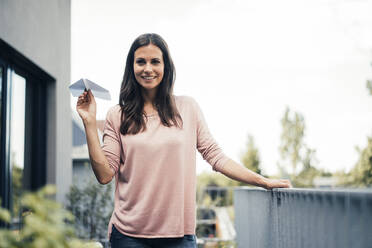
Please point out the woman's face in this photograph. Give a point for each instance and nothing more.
(148, 66)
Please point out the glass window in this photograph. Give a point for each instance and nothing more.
(23, 133)
(17, 140)
(1, 101)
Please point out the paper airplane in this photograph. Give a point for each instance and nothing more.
(83, 84)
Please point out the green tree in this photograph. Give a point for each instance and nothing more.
(17, 188)
(251, 158)
(361, 174)
(306, 176)
(17, 174)
(92, 206)
(293, 128)
(298, 161)
(215, 180)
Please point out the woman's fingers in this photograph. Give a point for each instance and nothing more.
(279, 183)
(287, 183)
(90, 95)
(84, 97)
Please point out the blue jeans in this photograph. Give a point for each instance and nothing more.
(119, 240)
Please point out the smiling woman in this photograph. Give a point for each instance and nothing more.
(147, 85)
(149, 146)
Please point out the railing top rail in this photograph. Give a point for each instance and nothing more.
(353, 191)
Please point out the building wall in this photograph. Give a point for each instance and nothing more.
(40, 30)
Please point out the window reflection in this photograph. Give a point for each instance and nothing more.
(17, 140)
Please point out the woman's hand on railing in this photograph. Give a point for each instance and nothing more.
(277, 183)
(240, 173)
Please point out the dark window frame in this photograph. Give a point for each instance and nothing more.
(37, 81)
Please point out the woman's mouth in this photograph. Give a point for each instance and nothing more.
(148, 78)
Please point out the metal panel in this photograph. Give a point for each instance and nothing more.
(292, 218)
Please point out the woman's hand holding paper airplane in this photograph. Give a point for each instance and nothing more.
(86, 107)
(86, 104)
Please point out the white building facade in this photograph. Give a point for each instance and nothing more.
(36, 129)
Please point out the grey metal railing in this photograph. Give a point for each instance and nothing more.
(296, 218)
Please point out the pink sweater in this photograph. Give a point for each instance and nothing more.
(155, 174)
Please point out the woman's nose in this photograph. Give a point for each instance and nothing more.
(148, 68)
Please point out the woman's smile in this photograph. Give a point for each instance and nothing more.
(148, 78)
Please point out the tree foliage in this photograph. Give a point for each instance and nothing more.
(293, 128)
(305, 177)
(92, 206)
(45, 224)
(297, 159)
(17, 188)
(251, 158)
(205, 180)
(369, 86)
(361, 174)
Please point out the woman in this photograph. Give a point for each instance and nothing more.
(149, 145)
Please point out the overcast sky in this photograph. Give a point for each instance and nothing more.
(244, 62)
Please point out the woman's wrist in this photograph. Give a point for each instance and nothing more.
(263, 182)
(89, 122)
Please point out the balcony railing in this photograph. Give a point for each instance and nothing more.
(303, 218)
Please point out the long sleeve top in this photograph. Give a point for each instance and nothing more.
(155, 174)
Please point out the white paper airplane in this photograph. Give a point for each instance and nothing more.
(83, 84)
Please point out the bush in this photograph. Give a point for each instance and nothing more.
(44, 224)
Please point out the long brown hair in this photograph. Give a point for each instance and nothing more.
(131, 100)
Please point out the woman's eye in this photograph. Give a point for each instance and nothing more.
(155, 61)
(140, 61)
